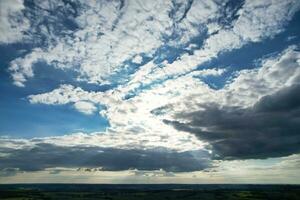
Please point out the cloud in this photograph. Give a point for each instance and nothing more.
(259, 20)
(111, 139)
(208, 72)
(131, 119)
(242, 90)
(13, 24)
(102, 43)
(5, 172)
(108, 34)
(109, 151)
(275, 73)
(137, 59)
(62, 95)
(20, 75)
(139, 119)
(85, 107)
(288, 163)
(163, 116)
(45, 155)
(154, 173)
(268, 129)
(253, 19)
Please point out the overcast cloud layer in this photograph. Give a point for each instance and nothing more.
(158, 73)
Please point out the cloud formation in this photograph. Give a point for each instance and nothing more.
(147, 68)
(13, 24)
(268, 129)
(85, 107)
(213, 112)
(133, 28)
(45, 155)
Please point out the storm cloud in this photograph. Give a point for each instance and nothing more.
(43, 155)
(270, 128)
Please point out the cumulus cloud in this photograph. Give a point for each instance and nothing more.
(268, 129)
(85, 107)
(275, 73)
(208, 72)
(254, 116)
(245, 88)
(137, 59)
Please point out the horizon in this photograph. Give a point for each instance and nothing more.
(150, 92)
(142, 184)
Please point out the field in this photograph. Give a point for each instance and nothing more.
(156, 192)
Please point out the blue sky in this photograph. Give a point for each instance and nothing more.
(117, 77)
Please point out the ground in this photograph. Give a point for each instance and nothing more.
(232, 193)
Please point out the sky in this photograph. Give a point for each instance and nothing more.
(133, 91)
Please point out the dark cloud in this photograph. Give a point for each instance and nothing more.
(271, 128)
(9, 172)
(45, 155)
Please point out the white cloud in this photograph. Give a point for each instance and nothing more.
(138, 120)
(131, 121)
(21, 68)
(137, 59)
(13, 24)
(262, 19)
(85, 107)
(280, 71)
(111, 33)
(187, 93)
(109, 139)
(154, 173)
(208, 72)
(63, 95)
(255, 17)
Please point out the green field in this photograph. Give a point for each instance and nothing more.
(26, 194)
